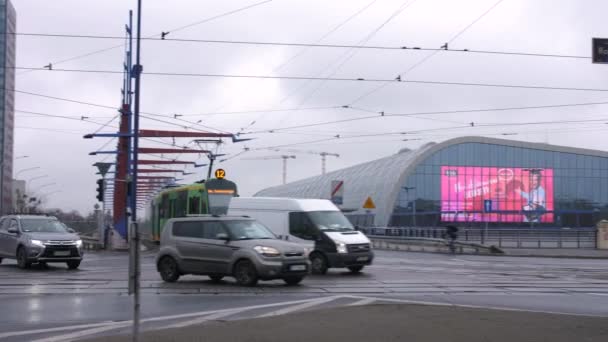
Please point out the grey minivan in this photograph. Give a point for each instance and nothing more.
(219, 246)
(38, 239)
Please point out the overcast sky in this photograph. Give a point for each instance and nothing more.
(560, 27)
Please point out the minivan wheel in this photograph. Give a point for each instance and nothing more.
(72, 265)
(293, 280)
(216, 277)
(245, 273)
(355, 269)
(22, 259)
(318, 263)
(168, 269)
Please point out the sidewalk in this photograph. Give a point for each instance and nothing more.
(558, 252)
(388, 323)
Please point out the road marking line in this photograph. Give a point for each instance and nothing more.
(299, 307)
(598, 294)
(203, 319)
(364, 301)
(407, 301)
(83, 333)
(50, 330)
(153, 319)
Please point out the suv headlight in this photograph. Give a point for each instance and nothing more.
(267, 251)
(78, 243)
(341, 247)
(37, 243)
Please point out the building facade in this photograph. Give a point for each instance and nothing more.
(471, 181)
(8, 22)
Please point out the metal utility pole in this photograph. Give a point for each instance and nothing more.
(134, 241)
(284, 157)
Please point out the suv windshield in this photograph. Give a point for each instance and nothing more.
(248, 230)
(42, 226)
(329, 221)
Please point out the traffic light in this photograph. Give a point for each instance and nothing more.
(100, 190)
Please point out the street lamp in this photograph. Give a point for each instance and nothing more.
(407, 191)
(24, 170)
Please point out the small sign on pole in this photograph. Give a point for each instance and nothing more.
(103, 168)
(369, 204)
(599, 53)
(337, 192)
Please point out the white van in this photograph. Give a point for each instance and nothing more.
(316, 224)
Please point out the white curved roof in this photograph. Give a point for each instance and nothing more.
(381, 179)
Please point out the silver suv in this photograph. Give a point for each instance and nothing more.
(38, 239)
(219, 246)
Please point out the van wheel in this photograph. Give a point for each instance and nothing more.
(72, 265)
(245, 273)
(292, 280)
(167, 267)
(318, 263)
(355, 269)
(22, 262)
(216, 277)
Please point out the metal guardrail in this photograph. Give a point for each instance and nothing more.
(431, 245)
(90, 243)
(500, 237)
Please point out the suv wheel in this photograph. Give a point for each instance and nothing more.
(293, 280)
(167, 267)
(245, 273)
(318, 263)
(216, 277)
(73, 264)
(22, 259)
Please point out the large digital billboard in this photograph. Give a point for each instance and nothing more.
(492, 194)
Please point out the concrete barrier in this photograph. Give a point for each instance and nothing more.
(432, 245)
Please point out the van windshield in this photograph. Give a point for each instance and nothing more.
(218, 203)
(330, 221)
(248, 230)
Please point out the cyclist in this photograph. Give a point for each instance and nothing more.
(452, 235)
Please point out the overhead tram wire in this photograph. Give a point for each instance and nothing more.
(327, 34)
(336, 79)
(293, 57)
(408, 48)
(114, 108)
(414, 133)
(352, 52)
(401, 75)
(157, 35)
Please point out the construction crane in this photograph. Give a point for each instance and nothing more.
(284, 157)
(322, 154)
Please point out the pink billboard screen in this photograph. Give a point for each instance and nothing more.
(492, 194)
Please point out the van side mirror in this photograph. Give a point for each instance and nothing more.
(222, 236)
(357, 228)
(13, 230)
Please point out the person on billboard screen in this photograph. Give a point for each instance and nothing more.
(535, 197)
